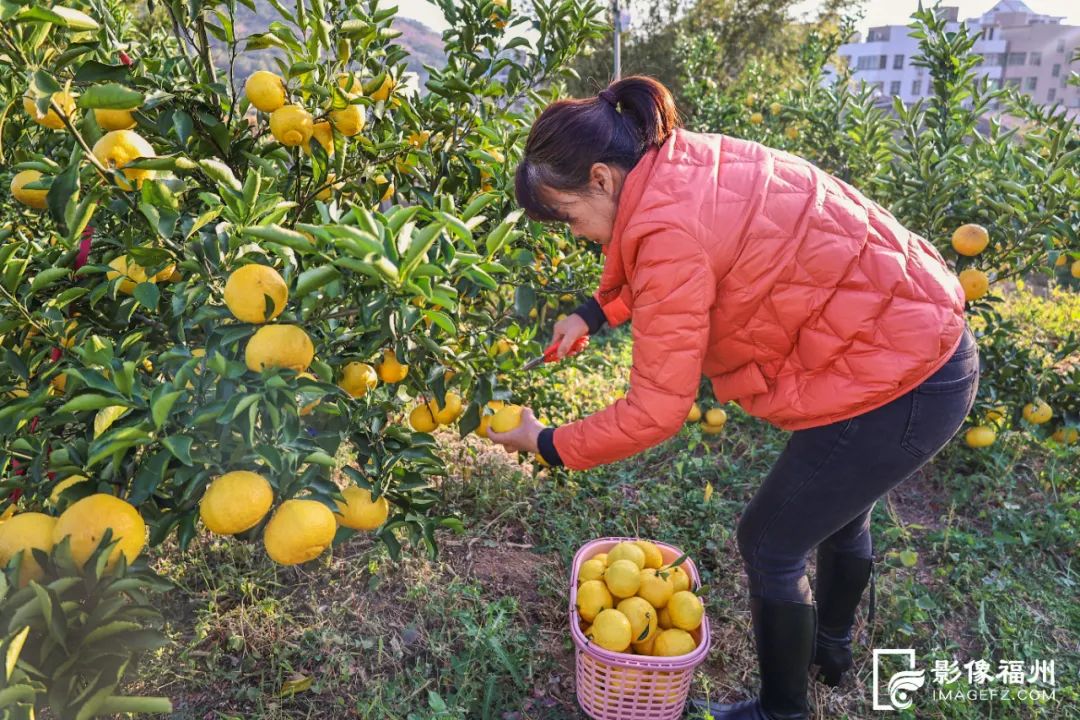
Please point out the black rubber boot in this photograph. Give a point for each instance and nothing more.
(784, 634)
(841, 579)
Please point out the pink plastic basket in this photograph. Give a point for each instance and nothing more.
(622, 686)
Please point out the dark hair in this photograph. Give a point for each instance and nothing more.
(616, 127)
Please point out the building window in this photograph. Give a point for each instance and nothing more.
(878, 35)
(1051, 95)
(1036, 58)
(1012, 82)
(867, 62)
(1031, 84)
(993, 59)
(894, 87)
(898, 62)
(1061, 45)
(1055, 71)
(916, 87)
(1017, 58)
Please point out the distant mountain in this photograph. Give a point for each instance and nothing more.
(424, 44)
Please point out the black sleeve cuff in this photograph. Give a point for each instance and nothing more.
(546, 444)
(593, 315)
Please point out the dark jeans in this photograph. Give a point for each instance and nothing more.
(827, 480)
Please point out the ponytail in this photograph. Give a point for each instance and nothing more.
(616, 127)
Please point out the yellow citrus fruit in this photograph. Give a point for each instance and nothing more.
(50, 119)
(292, 125)
(656, 589)
(506, 419)
(653, 558)
(663, 618)
(611, 630)
(757, 118)
(24, 532)
(1061, 260)
(642, 617)
(775, 108)
(646, 647)
(673, 642)
(1066, 436)
(323, 132)
(422, 419)
(117, 148)
(686, 610)
(695, 413)
(1075, 269)
(132, 272)
(623, 578)
(1038, 413)
(359, 511)
(716, 417)
(980, 436)
(602, 557)
(627, 550)
(680, 580)
(381, 179)
(591, 569)
(86, 521)
(247, 289)
(996, 413)
(351, 84)
(349, 120)
(485, 423)
(300, 530)
(419, 139)
(114, 119)
(970, 239)
(357, 378)
(30, 198)
(235, 502)
(265, 90)
(449, 411)
(389, 369)
(975, 283)
(792, 132)
(383, 93)
(279, 346)
(54, 496)
(592, 597)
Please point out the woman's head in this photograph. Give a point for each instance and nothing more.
(579, 152)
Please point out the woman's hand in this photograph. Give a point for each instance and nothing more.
(567, 331)
(523, 437)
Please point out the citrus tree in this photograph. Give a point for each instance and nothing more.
(984, 173)
(214, 289)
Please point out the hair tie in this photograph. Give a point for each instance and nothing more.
(609, 97)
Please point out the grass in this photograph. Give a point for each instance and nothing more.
(976, 560)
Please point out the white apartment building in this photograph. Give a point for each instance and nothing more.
(1019, 47)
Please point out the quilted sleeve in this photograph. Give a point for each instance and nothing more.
(673, 289)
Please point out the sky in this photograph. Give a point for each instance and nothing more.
(878, 12)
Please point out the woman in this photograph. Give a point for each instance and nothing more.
(802, 300)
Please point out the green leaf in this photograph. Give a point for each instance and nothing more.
(319, 458)
(315, 278)
(220, 173)
(909, 558)
(160, 408)
(110, 96)
(180, 447)
(147, 294)
(90, 401)
(47, 277)
(93, 71)
(282, 236)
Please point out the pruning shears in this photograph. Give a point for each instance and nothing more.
(551, 353)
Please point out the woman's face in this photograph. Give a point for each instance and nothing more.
(590, 212)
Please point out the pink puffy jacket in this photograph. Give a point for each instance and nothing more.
(801, 299)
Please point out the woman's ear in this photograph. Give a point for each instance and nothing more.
(602, 177)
